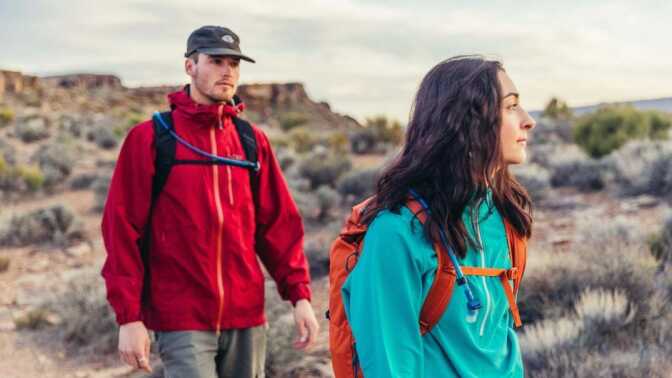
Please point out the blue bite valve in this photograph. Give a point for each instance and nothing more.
(472, 303)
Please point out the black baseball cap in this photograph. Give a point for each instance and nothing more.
(215, 40)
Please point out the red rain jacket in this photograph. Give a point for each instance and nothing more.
(206, 230)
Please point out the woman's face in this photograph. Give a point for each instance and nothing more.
(516, 123)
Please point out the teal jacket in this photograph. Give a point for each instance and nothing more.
(384, 293)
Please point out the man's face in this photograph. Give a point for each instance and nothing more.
(215, 78)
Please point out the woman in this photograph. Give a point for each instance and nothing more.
(466, 127)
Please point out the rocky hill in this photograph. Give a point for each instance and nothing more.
(269, 104)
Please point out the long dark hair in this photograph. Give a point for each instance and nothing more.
(452, 153)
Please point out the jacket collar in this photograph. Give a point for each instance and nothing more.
(204, 115)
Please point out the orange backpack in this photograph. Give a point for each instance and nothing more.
(343, 256)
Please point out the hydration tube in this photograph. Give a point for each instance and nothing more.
(226, 161)
(472, 303)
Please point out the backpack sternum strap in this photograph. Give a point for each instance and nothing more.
(504, 275)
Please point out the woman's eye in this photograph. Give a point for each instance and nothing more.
(513, 106)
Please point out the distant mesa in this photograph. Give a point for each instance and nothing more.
(84, 81)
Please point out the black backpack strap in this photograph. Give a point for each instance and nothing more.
(164, 144)
(249, 143)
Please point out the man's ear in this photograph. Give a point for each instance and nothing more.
(189, 67)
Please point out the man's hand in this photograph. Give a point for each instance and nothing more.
(306, 324)
(134, 345)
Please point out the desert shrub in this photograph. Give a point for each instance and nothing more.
(55, 225)
(103, 136)
(552, 131)
(583, 174)
(31, 176)
(100, 187)
(7, 152)
(87, 321)
(327, 200)
(286, 158)
(6, 116)
(324, 168)
(601, 310)
(131, 119)
(302, 139)
(4, 263)
(71, 126)
(534, 178)
(56, 161)
(610, 127)
(307, 203)
(386, 130)
(280, 335)
(83, 181)
(32, 128)
(291, 120)
(378, 132)
(661, 244)
(33, 319)
(550, 154)
(356, 185)
(363, 141)
(642, 167)
(338, 142)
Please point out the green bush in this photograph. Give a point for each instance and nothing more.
(6, 116)
(291, 120)
(610, 127)
(32, 176)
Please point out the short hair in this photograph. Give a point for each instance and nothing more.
(193, 56)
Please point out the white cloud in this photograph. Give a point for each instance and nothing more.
(363, 57)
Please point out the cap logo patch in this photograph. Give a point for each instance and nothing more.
(227, 39)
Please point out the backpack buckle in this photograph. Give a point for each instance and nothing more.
(512, 273)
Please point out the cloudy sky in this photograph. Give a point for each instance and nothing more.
(364, 57)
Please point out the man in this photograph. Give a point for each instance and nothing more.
(199, 286)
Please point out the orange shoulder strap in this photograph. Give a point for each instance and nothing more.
(444, 281)
(518, 250)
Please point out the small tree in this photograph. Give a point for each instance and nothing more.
(557, 109)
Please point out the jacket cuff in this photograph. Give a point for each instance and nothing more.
(298, 292)
(127, 317)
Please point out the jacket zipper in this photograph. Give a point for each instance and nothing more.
(220, 226)
(481, 248)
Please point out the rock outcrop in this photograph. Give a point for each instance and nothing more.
(14, 82)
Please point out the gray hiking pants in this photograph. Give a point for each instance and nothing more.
(239, 353)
